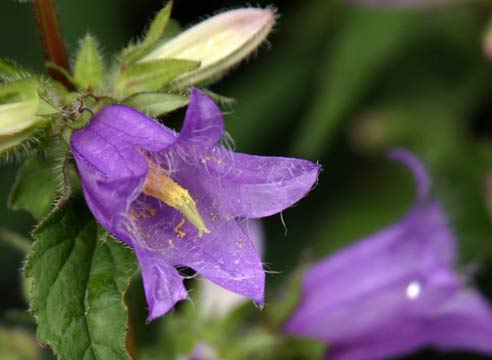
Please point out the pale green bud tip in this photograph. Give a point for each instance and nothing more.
(220, 41)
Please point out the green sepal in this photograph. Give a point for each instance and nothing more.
(157, 26)
(35, 187)
(220, 99)
(151, 76)
(79, 276)
(156, 103)
(9, 70)
(88, 69)
(60, 69)
(154, 34)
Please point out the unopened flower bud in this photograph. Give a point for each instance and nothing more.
(19, 110)
(217, 43)
(18, 104)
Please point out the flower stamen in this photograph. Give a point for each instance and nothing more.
(181, 234)
(160, 186)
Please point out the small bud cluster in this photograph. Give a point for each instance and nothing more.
(152, 76)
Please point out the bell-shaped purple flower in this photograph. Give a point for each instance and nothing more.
(180, 199)
(395, 291)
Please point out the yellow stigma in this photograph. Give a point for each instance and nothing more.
(159, 185)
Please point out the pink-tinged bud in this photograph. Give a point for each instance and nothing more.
(218, 43)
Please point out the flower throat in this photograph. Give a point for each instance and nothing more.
(160, 186)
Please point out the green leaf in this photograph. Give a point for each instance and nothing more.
(156, 103)
(158, 25)
(88, 70)
(35, 187)
(370, 40)
(79, 276)
(151, 76)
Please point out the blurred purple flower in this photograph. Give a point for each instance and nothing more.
(394, 291)
(178, 199)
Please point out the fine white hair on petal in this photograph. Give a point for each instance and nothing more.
(283, 223)
(228, 142)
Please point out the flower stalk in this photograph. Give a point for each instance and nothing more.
(52, 39)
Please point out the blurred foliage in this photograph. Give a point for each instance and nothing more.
(17, 344)
(337, 84)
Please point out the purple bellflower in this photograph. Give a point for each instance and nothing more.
(395, 291)
(181, 199)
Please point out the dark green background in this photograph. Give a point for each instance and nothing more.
(375, 78)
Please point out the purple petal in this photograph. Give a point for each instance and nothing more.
(111, 168)
(399, 341)
(163, 285)
(400, 272)
(443, 242)
(418, 170)
(440, 237)
(251, 186)
(225, 256)
(112, 154)
(401, 295)
(463, 323)
(111, 140)
(254, 229)
(217, 302)
(228, 258)
(203, 122)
